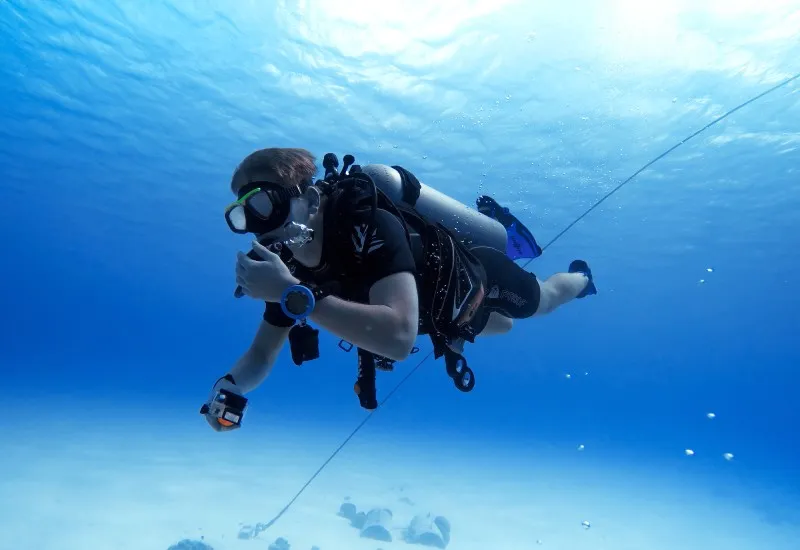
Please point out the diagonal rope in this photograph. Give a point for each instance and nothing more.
(264, 526)
(664, 154)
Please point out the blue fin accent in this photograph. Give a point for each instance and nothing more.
(521, 243)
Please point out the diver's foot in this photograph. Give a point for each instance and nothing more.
(579, 266)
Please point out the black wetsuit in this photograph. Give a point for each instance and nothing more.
(510, 290)
(344, 262)
(507, 288)
(388, 253)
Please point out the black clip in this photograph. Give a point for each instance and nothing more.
(345, 346)
(384, 363)
(459, 371)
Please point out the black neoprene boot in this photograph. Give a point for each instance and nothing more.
(579, 266)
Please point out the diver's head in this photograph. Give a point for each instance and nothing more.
(275, 193)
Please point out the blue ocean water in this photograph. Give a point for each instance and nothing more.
(121, 123)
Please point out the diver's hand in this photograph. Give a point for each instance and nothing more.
(216, 424)
(264, 279)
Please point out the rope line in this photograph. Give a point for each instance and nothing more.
(264, 526)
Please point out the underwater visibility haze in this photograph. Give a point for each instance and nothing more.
(660, 413)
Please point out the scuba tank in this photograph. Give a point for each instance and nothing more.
(470, 226)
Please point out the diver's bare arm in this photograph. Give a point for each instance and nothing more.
(255, 364)
(386, 326)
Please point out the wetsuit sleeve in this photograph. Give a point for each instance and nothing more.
(389, 251)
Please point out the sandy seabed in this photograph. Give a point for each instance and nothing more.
(127, 486)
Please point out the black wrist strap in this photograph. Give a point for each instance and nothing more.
(274, 315)
(324, 290)
(228, 377)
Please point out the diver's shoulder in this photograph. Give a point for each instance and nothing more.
(387, 219)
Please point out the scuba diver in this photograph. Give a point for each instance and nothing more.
(376, 258)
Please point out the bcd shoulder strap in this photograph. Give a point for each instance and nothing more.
(411, 186)
(445, 268)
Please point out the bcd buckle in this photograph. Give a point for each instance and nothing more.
(459, 371)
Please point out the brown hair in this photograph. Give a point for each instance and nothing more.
(286, 166)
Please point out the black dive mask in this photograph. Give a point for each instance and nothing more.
(262, 207)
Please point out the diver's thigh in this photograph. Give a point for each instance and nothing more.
(497, 324)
